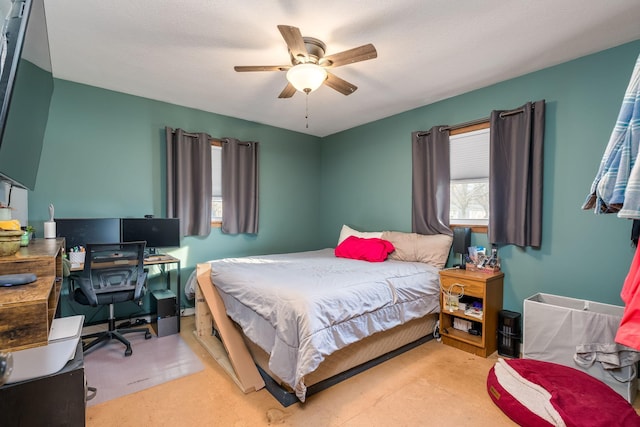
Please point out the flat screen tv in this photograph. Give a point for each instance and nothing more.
(26, 86)
(80, 231)
(157, 232)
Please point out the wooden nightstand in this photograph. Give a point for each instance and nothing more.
(478, 286)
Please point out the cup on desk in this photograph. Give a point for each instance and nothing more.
(76, 259)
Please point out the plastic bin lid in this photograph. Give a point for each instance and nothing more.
(64, 328)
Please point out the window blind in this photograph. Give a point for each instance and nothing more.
(216, 167)
(469, 154)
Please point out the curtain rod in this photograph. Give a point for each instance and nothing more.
(474, 122)
(221, 141)
(195, 135)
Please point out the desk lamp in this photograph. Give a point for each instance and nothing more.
(461, 243)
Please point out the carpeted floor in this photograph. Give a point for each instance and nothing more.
(431, 385)
(153, 362)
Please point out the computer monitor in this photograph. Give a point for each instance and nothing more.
(80, 231)
(157, 232)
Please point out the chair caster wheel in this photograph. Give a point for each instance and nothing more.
(147, 335)
(128, 352)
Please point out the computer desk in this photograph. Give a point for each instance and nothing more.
(163, 261)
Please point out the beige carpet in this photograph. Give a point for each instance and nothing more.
(431, 385)
(153, 362)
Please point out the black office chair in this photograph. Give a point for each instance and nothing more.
(113, 273)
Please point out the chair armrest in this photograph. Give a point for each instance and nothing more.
(140, 286)
(85, 286)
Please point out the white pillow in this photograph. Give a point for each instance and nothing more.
(348, 231)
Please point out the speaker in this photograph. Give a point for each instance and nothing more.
(509, 333)
(461, 240)
(165, 316)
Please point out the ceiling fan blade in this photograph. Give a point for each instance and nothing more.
(295, 42)
(288, 91)
(242, 68)
(357, 54)
(342, 86)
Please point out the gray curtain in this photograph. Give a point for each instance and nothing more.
(239, 186)
(430, 182)
(515, 176)
(189, 181)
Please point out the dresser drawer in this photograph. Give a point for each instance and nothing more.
(471, 288)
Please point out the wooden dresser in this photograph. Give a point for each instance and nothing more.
(26, 311)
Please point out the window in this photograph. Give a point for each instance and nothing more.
(216, 181)
(469, 185)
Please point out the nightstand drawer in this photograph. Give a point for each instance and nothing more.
(473, 289)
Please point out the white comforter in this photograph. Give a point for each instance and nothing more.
(310, 304)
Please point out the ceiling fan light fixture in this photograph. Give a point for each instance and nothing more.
(306, 77)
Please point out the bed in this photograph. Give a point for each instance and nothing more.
(308, 317)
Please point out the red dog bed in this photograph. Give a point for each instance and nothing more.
(536, 393)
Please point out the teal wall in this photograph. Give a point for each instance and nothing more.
(366, 176)
(104, 157)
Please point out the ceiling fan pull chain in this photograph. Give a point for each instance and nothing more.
(306, 108)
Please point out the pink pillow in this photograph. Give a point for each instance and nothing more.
(373, 249)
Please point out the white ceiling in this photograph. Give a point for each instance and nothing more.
(183, 51)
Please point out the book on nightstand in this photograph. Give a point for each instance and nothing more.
(474, 312)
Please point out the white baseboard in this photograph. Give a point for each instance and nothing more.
(189, 311)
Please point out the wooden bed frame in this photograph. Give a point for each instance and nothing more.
(248, 364)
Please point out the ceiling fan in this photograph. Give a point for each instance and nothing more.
(309, 66)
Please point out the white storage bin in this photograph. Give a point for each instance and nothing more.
(554, 326)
